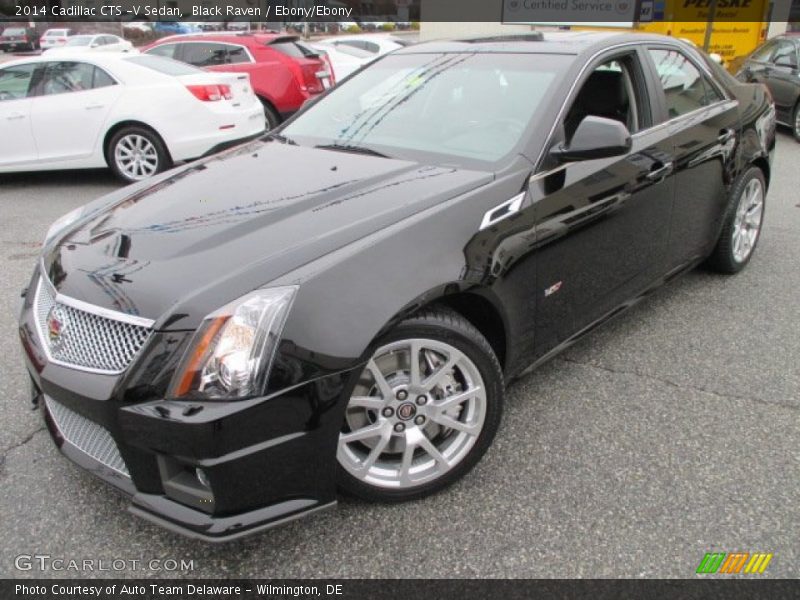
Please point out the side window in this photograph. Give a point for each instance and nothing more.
(15, 82)
(237, 54)
(65, 77)
(764, 53)
(786, 51)
(167, 50)
(611, 91)
(102, 79)
(684, 86)
(204, 54)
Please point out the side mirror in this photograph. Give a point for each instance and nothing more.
(595, 137)
(787, 60)
(93, 45)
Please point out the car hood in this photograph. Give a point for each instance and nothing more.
(203, 235)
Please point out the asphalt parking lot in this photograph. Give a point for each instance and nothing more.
(672, 432)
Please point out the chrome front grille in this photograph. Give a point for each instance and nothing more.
(89, 437)
(85, 338)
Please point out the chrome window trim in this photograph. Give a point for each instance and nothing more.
(571, 96)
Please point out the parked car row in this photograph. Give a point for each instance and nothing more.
(284, 71)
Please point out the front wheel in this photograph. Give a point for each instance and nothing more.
(742, 223)
(796, 122)
(136, 153)
(422, 412)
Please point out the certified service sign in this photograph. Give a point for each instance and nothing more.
(601, 13)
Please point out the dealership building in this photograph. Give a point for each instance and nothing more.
(730, 28)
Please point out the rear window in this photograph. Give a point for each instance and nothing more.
(167, 66)
(294, 49)
(54, 32)
(14, 31)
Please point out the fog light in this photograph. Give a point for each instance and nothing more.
(202, 477)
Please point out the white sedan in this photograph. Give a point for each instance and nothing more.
(348, 53)
(102, 42)
(136, 114)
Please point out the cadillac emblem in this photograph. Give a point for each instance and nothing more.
(56, 327)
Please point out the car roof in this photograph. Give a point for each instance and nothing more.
(549, 42)
(66, 53)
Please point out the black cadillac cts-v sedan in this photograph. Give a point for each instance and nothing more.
(340, 305)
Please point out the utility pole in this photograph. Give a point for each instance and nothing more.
(712, 13)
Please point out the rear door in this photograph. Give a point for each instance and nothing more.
(72, 105)
(703, 124)
(18, 146)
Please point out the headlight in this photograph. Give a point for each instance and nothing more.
(231, 354)
(62, 223)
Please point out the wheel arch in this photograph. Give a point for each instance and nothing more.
(477, 305)
(130, 123)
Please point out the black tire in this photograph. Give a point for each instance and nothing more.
(722, 259)
(796, 122)
(444, 325)
(272, 117)
(162, 155)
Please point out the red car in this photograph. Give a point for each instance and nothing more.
(284, 72)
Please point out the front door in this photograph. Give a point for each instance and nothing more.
(602, 225)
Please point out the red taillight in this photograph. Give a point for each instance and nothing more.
(210, 93)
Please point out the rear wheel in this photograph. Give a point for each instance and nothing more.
(136, 153)
(272, 118)
(796, 122)
(742, 225)
(423, 411)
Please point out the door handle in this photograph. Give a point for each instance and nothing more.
(661, 172)
(725, 135)
(94, 106)
(15, 116)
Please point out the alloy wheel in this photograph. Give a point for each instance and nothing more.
(136, 157)
(747, 222)
(416, 412)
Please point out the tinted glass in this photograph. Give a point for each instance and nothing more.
(457, 106)
(101, 78)
(294, 49)
(167, 50)
(787, 51)
(66, 77)
(237, 54)
(204, 54)
(762, 54)
(15, 81)
(683, 84)
(14, 31)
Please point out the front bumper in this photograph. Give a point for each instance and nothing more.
(264, 461)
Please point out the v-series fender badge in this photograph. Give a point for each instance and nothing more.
(553, 289)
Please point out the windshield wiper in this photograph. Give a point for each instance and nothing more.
(282, 138)
(353, 149)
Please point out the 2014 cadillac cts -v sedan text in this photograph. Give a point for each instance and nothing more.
(340, 304)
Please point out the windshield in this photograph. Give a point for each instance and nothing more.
(13, 31)
(80, 40)
(458, 106)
